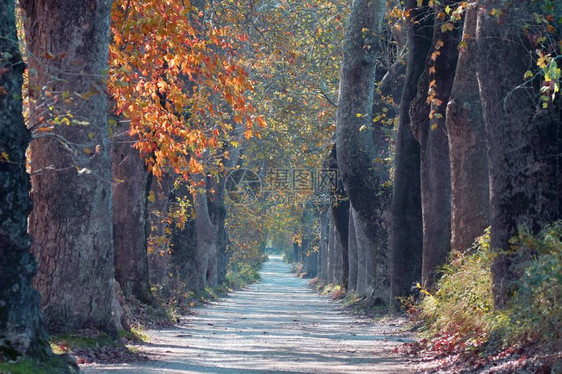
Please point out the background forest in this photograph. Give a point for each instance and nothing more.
(432, 125)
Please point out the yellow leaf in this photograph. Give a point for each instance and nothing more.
(5, 156)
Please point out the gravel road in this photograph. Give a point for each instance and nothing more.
(278, 325)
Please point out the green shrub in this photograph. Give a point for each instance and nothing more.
(535, 312)
(463, 302)
(464, 298)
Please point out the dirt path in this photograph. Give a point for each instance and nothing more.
(276, 326)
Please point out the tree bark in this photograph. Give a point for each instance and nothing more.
(207, 239)
(331, 257)
(21, 325)
(159, 254)
(428, 127)
(217, 213)
(185, 248)
(130, 191)
(353, 255)
(71, 222)
(359, 141)
(406, 218)
(470, 191)
(522, 138)
(365, 258)
(323, 245)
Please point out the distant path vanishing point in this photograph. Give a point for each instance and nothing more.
(278, 325)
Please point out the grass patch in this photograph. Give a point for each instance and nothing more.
(55, 364)
(91, 346)
(85, 340)
(137, 334)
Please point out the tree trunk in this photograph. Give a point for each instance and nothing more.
(307, 222)
(470, 194)
(337, 257)
(323, 245)
(21, 328)
(130, 191)
(522, 138)
(71, 222)
(406, 218)
(331, 254)
(340, 214)
(428, 127)
(353, 255)
(185, 248)
(359, 141)
(365, 258)
(217, 213)
(206, 239)
(159, 254)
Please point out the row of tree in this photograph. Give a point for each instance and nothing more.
(477, 143)
(105, 80)
(447, 122)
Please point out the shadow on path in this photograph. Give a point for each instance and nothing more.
(276, 326)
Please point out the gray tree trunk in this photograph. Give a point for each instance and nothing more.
(365, 258)
(359, 141)
(130, 191)
(406, 218)
(353, 255)
(207, 239)
(470, 191)
(434, 146)
(323, 245)
(21, 325)
(71, 221)
(331, 255)
(159, 256)
(522, 138)
(187, 264)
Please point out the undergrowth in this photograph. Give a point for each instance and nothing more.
(55, 364)
(460, 318)
(89, 346)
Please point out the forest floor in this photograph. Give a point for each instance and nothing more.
(278, 325)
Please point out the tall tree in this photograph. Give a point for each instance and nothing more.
(352, 253)
(470, 194)
(340, 215)
(131, 185)
(522, 137)
(71, 221)
(363, 179)
(184, 244)
(406, 219)
(427, 116)
(21, 327)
